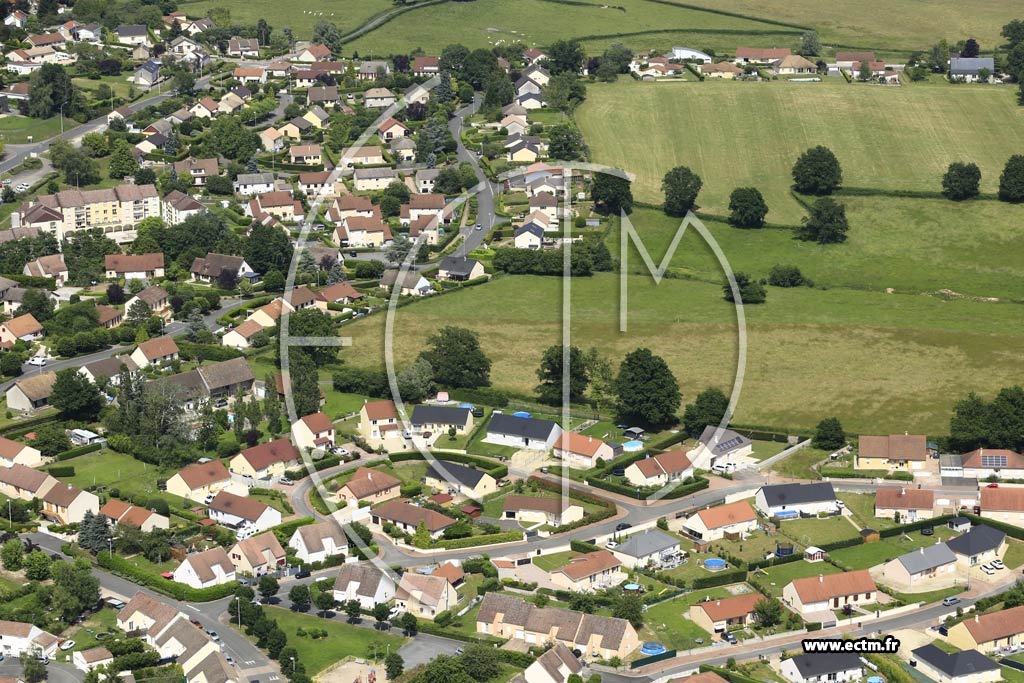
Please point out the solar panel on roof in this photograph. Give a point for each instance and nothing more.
(993, 461)
(729, 445)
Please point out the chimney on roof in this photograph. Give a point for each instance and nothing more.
(718, 603)
(821, 578)
(976, 619)
(903, 491)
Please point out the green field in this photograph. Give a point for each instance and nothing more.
(299, 16)
(882, 362)
(118, 471)
(17, 129)
(749, 134)
(343, 640)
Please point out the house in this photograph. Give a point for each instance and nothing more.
(726, 70)
(87, 660)
(793, 65)
(455, 479)
(179, 207)
(146, 617)
(17, 19)
(229, 103)
(265, 462)
(554, 666)
(425, 595)
(910, 504)
(849, 60)
(392, 129)
(991, 632)
(428, 226)
(514, 125)
(156, 300)
(760, 55)
(119, 512)
(459, 269)
(241, 337)
(533, 55)
(67, 504)
(983, 463)
(1000, 504)
(17, 453)
(597, 637)
(897, 452)
(715, 523)
(827, 592)
(31, 393)
(258, 555)
(368, 155)
(378, 422)
(202, 480)
(211, 267)
(250, 74)
(716, 616)
(278, 203)
(581, 452)
(369, 485)
(24, 483)
(535, 510)
(522, 432)
(410, 283)
(134, 266)
(313, 432)
(317, 542)
(248, 184)
(971, 69)
(661, 469)
(364, 583)
(407, 517)
(426, 66)
(24, 328)
(529, 236)
(108, 316)
(314, 53)
(133, 34)
(425, 178)
(373, 70)
(441, 419)
(48, 266)
(980, 545)
(371, 179)
(245, 516)
(17, 637)
(317, 116)
(317, 184)
(272, 140)
(646, 548)
(838, 667)
(686, 54)
(305, 154)
(592, 571)
(147, 73)
(719, 446)
(206, 569)
(296, 128)
(197, 169)
(423, 205)
(197, 26)
(326, 95)
(338, 293)
(378, 98)
(205, 108)
(925, 569)
(243, 47)
(794, 499)
(967, 666)
(158, 351)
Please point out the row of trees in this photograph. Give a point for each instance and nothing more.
(962, 180)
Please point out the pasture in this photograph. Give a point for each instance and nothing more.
(881, 361)
(749, 134)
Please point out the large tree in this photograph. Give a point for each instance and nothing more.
(268, 248)
(1011, 180)
(75, 396)
(680, 186)
(999, 423)
(961, 181)
(747, 208)
(565, 56)
(457, 359)
(707, 409)
(565, 142)
(817, 171)
(611, 194)
(646, 389)
(50, 88)
(826, 223)
(751, 290)
(829, 435)
(550, 375)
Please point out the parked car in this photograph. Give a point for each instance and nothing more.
(67, 645)
(730, 638)
(998, 564)
(285, 481)
(196, 622)
(987, 569)
(303, 574)
(993, 485)
(214, 636)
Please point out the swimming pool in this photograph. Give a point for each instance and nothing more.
(632, 446)
(652, 648)
(521, 413)
(714, 564)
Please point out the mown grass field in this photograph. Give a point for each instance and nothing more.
(749, 134)
(300, 16)
(908, 245)
(483, 23)
(881, 361)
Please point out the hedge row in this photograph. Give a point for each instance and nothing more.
(920, 524)
(23, 427)
(487, 539)
(495, 469)
(318, 465)
(284, 531)
(490, 397)
(850, 473)
(123, 567)
(1008, 529)
(214, 352)
(76, 452)
(719, 579)
(582, 546)
(61, 471)
(730, 676)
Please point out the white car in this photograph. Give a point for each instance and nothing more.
(22, 187)
(987, 569)
(67, 645)
(38, 361)
(998, 564)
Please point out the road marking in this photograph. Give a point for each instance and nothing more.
(250, 661)
(193, 608)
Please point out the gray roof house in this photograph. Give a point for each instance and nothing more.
(928, 558)
(522, 432)
(432, 416)
(967, 68)
(821, 667)
(782, 495)
(447, 471)
(148, 73)
(954, 666)
(978, 541)
(646, 547)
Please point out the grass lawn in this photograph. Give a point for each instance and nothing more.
(811, 531)
(775, 578)
(120, 85)
(870, 554)
(756, 547)
(477, 446)
(16, 129)
(554, 560)
(800, 463)
(84, 635)
(921, 128)
(119, 471)
(930, 596)
(339, 403)
(493, 504)
(667, 623)
(300, 17)
(1014, 553)
(810, 352)
(766, 449)
(343, 640)
(760, 671)
(862, 505)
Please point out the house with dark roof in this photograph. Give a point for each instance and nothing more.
(967, 666)
(930, 568)
(430, 421)
(459, 269)
(528, 236)
(455, 479)
(971, 69)
(980, 545)
(796, 499)
(647, 548)
(719, 446)
(378, 424)
(21, 482)
(843, 667)
(910, 504)
(156, 300)
(210, 267)
(522, 432)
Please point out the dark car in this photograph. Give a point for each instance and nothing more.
(302, 574)
(478, 412)
(622, 526)
(730, 638)
(353, 253)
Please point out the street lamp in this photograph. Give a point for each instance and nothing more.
(62, 117)
(110, 547)
(10, 515)
(293, 665)
(238, 608)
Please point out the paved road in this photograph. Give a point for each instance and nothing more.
(56, 672)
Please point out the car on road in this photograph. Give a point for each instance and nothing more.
(622, 526)
(302, 574)
(195, 622)
(214, 636)
(284, 481)
(353, 253)
(478, 227)
(23, 187)
(67, 645)
(395, 611)
(458, 651)
(950, 601)
(38, 361)
(229, 659)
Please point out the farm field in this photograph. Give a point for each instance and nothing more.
(299, 15)
(538, 22)
(709, 126)
(840, 352)
(908, 245)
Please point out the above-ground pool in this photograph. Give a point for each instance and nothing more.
(521, 413)
(466, 405)
(714, 564)
(787, 514)
(631, 587)
(876, 679)
(652, 648)
(632, 446)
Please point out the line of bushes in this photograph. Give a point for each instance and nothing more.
(921, 524)
(495, 469)
(693, 70)
(61, 471)
(320, 465)
(122, 567)
(23, 427)
(582, 546)
(284, 531)
(731, 676)
(213, 352)
(487, 539)
(78, 452)
(737, 15)
(850, 473)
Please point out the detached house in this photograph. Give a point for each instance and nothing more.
(897, 452)
(733, 519)
(24, 483)
(317, 542)
(156, 300)
(158, 351)
(313, 432)
(24, 328)
(266, 462)
(407, 517)
(719, 446)
(581, 452)
(17, 638)
(378, 98)
(209, 568)
(392, 129)
(245, 516)
(824, 593)
(17, 453)
(535, 510)
(31, 393)
(646, 548)
(120, 512)
(258, 555)
(134, 266)
(369, 485)
(425, 595)
(659, 470)
(980, 545)
(458, 268)
(430, 419)
(716, 616)
(910, 504)
(212, 266)
(968, 666)
(589, 572)
(365, 583)
(790, 500)
(67, 504)
(842, 667)
(48, 266)
(991, 632)
(197, 169)
(925, 569)
(200, 480)
(378, 422)
(455, 479)
(522, 432)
